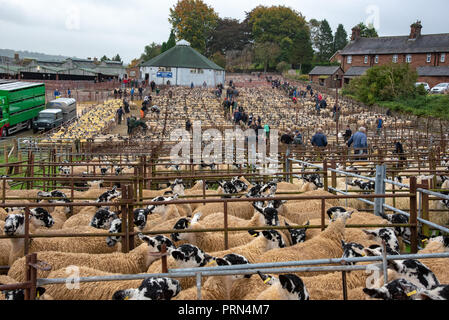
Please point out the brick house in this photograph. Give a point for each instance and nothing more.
(325, 76)
(430, 51)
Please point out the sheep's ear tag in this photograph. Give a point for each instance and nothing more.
(266, 280)
(363, 254)
(425, 240)
(37, 295)
(254, 235)
(211, 262)
(411, 293)
(332, 216)
(188, 223)
(126, 298)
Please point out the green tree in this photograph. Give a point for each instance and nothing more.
(219, 58)
(367, 31)
(151, 51)
(314, 27)
(266, 53)
(301, 51)
(230, 34)
(384, 83)
(193, 21)
(326, 41)
(282, 26)
(170, 43)
(104, 58)
(341, 38)
(117, 58)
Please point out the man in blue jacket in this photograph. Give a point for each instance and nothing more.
(319, 139)
(360, 141)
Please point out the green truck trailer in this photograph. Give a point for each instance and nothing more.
(20, 104)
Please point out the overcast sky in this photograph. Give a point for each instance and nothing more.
(87, 28)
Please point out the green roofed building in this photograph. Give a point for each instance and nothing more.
(182, 65)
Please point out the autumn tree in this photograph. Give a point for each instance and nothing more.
(314, 27)
(230, 34)
(193, 21)
(266, 53)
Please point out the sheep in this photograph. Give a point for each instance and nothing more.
(209, 242)
(5, 247)
(397, 289)
(19, 294)
(136, 261)
(219, 287)
(184, 256)
(243, 210)
(151, 289)
(15, 226)
(325, 245)
(287, 287)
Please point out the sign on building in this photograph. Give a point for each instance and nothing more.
(164, 74)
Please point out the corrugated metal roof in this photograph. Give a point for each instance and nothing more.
(182, 56)
(439, 71)
(324, 70)
(399, 44)
(18, 85)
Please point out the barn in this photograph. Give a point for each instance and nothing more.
(180, 66)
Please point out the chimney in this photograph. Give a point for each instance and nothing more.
(415, 30)
(355, 33)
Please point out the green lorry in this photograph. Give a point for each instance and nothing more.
(20, 104)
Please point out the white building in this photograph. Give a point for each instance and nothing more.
(182, 65)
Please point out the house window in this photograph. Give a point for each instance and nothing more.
(366, 59)
(192, 70)
(395, 58)
(376, 59)
(408, 58)
(443, 57)
(429, 57)
(349, 59)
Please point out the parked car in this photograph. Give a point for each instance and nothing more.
(441, 88)
(48, 119)
(425, 84)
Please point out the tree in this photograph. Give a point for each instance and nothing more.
(151, 51)
(367, 31)
(301, 51)
(341, 38)
(282, 26)
(326, 41)
(266, 53)
(134, 63)
(314, 26)
(193, 21)
(230, 34)
(170, 43)
(219, 59)
(104, 58)
(117, 58)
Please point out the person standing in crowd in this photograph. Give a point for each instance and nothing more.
(69, 93)
(132, 94)
(348, 134)
(250, 119)
(360, 142)
(152, 85)
(120, 93)
(267, 130)
(119, 115)
(298, 138)
(188, 125)
(140, 93)
(126, 106)
(379, 125)
(192, 85)
(115, 93)
(57, 94)
(319, 139)
(287, 138)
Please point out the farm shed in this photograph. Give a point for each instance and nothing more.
(325, 76)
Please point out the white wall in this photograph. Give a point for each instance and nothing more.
(183, 77)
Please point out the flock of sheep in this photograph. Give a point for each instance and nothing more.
(100, 256)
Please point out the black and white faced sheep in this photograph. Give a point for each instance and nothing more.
(183, 224)
(151, 289)
(190, 256)
(271, 187)
(161, 208)
(352, 250)
(403, 232)
(178, 187)
(233, 259)
(414, 271)
(286, 287)
(270, 214)
(438, 293)
(297, 235)
(255, 192)
(103, 218)
(386, 234)
(335, 212)
(15, 223)
(274, 237)
(140, 217)
(109, 195)
(19, 294)
(399, 289)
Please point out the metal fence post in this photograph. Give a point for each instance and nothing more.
(125, 222)
(380, 189)
(225, 204)
(413, 217)
(198, 286)
(425, 208)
